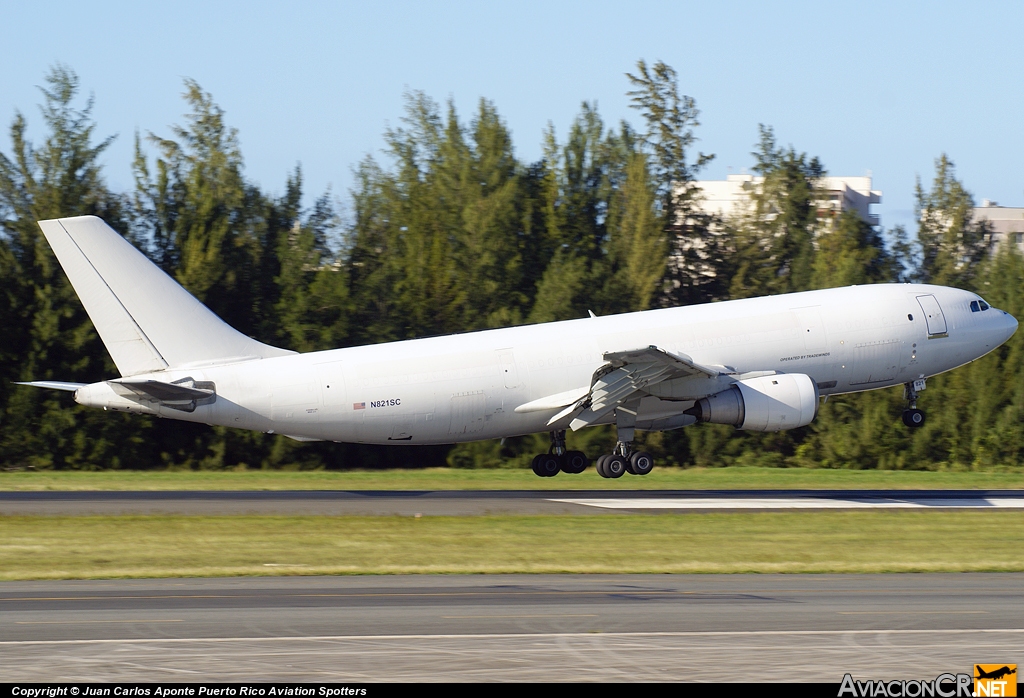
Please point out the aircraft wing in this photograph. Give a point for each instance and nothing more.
(624, 378)
(678, 364)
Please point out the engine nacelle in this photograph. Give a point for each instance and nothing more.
(765, 403)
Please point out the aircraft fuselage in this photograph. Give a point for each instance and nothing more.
(467, 387)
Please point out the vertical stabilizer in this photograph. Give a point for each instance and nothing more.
(147, 321)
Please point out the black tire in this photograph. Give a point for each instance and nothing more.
(574, 462)
(641, 463)
(533, 465)
(599, 465)
(547, 465)
(615, 466)
(913, 418)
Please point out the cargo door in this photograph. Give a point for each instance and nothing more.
(875, 362)
(467, 413)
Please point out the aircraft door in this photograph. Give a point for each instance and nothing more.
(509, 374)
(295, 401)
(332, 386)
(933, 316)
(812, 329)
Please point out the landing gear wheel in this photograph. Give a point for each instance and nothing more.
(599, 465)
(574, 462)
(913, 418)
(614, 465)
(641, 463)
(545, 465)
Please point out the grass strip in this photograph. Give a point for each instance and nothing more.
(180, 546)
(454, 479)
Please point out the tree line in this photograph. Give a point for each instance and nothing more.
(449, 231)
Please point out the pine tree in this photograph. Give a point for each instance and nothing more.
(207, 224)
(851, 252)
(638, 250)
(697, 253)
(952, 243)
(774, 239)
(47, 332)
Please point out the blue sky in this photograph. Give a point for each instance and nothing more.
(884, 87)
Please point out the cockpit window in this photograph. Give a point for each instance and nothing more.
(984, 305)
(975, 307)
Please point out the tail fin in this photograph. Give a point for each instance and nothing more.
(147, 321)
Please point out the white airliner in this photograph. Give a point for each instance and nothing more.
(761, 364)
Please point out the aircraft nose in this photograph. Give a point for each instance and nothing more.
(1011, 325)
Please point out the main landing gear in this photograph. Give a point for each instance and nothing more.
(620, 461)
(557, 459)
(912, 416)
(623, 459)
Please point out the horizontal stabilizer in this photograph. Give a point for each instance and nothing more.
(147, 321)
(53, 385)
(164, 392)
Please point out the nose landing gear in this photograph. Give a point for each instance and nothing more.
(913, 417)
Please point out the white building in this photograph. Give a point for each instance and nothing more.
(731, 196)
(1005, 223)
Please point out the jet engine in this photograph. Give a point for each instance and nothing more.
(765, 403)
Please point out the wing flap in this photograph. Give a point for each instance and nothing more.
(553, 402)
(627, 374)
(680, 364)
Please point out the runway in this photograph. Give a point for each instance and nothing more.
(485, 502)
(511, 627)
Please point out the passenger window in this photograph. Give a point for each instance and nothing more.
(974, 306)
(984, 305)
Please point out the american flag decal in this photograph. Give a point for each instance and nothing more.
(359, 405)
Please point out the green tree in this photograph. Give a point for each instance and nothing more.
(207, 224)
(851, 252)
(47, 332)
(697, 249)
(638, 250)
(774, 240)
(952, 243)
(312, 309)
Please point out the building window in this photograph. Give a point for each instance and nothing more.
(1018, 238)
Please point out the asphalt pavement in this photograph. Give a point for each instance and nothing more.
(483, 502)
(511, 627)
